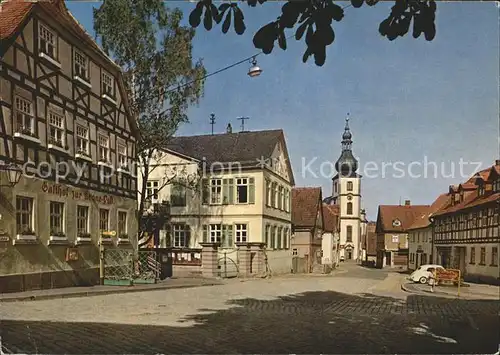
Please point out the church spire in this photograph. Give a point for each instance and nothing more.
(346, 165)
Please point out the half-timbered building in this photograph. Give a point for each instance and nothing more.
(467, 228)
(64, 119)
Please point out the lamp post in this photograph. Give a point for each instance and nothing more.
(14, 174)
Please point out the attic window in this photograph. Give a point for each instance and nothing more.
(396, 223)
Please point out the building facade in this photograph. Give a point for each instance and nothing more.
(420, 236)
(330, 240)
(346, 193)
(243, 194)
(308, 227)
(66, 122)
(392, 227)
(467, 229)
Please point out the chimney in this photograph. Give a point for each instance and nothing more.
(407, 203)
(229, 129)
(497, 162)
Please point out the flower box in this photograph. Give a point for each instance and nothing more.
(25, 237)
(83, 238)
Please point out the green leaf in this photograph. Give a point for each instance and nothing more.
(282, 41)
(195, 16)
(239, 21)
(207, 20)
(300, 31)
(227, 22)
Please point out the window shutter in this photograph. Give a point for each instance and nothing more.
(204, 191)
(187, 230)
(227, 231)
(231, 191)
(205, 233)
(251, 190)
(225, 192)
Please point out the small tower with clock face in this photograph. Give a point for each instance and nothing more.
(346, 193)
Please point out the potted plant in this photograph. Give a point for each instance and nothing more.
(28, 231)
(83, 152)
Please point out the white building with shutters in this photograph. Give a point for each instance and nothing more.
(243, 194)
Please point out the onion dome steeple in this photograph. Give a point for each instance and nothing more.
(346, 165)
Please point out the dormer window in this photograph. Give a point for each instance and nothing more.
(461, 196)
(496, 185)
(396, 223)
(481, 190)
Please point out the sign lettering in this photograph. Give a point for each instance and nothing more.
(65, 191)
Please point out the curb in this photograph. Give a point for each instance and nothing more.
(446, 295)
(121, 289)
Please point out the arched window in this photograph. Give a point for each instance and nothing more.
(349, 186)
(349, 207)
(348, 234)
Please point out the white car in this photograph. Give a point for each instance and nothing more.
(424, 272)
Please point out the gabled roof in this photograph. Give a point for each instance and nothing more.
(14, 14)
(247, 148)
(423, 221)
(405, 214)
(306, 203)
(471, 199)
(331, 216)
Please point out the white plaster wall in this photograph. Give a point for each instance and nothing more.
(279, 261)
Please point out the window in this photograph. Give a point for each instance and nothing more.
(56, 218)
(349, 186)
(216, 191)
(241, 233)
(56, 129)
(24, 215)
(152, 187)
(82, 219)
(272, 236)
(280, 198)
(242, 190)
(278, 237)
(82, 140)
(482, 257)
(215, 233)
(107, 85)
(268, 236)
(103, 142)
(122, 223)
(395, 238)
(286, 238)
(81, 66)
(24, 116)
(335, 187)
(273, 195)
(47, 41)
(181, 235)
(287, 200)
(276, 195)
(268, 193)
(494, 256)
(424, 258)
(178, 195)
(103, 219)
(294, 252)
(349, 207)
(122, 155)
(349, 234)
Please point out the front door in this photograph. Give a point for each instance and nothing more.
(349, 255)
(388, 260)
(418, 261)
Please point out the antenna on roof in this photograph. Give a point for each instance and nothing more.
(243, 119)
(212, 122)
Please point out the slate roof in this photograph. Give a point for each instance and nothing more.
(405, 214)
(330, 217)
(228, 147)
(306, 202)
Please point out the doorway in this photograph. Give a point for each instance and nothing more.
(349, 255)
(388, 259)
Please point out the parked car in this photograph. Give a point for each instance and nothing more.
(424, 272)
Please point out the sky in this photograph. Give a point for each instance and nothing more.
(423, 115)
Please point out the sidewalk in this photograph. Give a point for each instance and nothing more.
(106, 290)
(472, 291)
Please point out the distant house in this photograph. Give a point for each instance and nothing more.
(307, 224)
(420, 236)
(467, 228)
(330, 244)
(392, 232)
(371, 242)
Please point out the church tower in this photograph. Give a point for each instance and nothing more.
(346, 193)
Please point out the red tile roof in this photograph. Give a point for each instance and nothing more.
(306, 203)
(330, 217)
(405, 214)
(471, 199)
(12, 13)
(423, 221)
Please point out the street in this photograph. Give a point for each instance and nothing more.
(357, 310)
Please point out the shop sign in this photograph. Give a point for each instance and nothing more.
(65, 191)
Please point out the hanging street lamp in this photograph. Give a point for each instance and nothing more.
(14, 174)
(254, 70)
